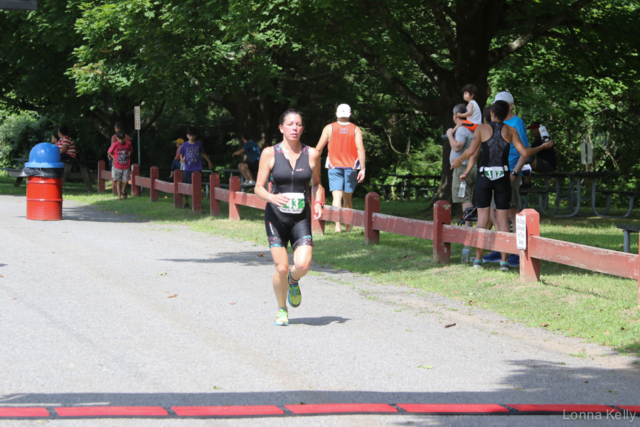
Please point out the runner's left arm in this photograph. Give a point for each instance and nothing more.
(316, 186)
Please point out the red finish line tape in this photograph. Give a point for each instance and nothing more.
(311, 409)
(23, 412)
(436, 408)
(559, 409)
(112, 411)
(341, 407)
(226, 411)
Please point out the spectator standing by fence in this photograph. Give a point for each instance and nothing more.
(516, 163)
(114, 138)
(65, 144)
(460, 140)
(346, 158)
(249, 168)
(191, 154)
(120, 153)
(491, 144)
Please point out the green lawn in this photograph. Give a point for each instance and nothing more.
(596, 307)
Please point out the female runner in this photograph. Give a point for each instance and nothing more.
(495, 138)
(287, 216)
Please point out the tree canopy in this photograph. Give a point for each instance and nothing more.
(401, 65)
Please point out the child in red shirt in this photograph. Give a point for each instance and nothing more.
(120, 153)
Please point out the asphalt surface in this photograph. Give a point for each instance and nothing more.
(104, 309)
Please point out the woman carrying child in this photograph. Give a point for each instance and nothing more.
(292, 165)
(495, 138)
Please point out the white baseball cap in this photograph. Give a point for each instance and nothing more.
(343, 110)
(504, 96)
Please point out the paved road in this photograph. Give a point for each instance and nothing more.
(105, 309)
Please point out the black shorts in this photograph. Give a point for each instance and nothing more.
(253, 167)
(283, 228)
(500, 189)
(186, 176)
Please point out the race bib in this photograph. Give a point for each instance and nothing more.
(494, 172)
(296, 203)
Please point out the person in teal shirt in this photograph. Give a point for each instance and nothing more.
(249, 168)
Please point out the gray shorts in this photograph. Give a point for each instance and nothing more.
(515, 194)
(471, 182)
(121, 175)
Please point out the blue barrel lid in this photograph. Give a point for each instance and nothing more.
(44, 155)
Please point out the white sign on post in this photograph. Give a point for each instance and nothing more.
(586, 153)
(136, 113)
(521, 232)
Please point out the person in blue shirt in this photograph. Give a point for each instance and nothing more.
(249, 168)
(516, 163)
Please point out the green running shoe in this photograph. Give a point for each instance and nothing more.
(282, 318)
(504, 265)
(294, 295)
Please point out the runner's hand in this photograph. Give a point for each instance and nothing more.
(317, 207)
(361, 176)
(279, 200)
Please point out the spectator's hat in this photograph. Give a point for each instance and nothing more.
(504, 96)
(343, 110)
(534, 126)
(178, 141)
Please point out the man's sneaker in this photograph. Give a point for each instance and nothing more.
(514, 260)
(492, 257)
(478, 264)
(504, 266)
(282, 318)
(294, 295)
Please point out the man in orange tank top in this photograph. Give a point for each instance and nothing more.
(345, 160)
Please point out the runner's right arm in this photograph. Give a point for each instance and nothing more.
(267, 161)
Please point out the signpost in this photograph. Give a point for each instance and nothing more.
(136, 113)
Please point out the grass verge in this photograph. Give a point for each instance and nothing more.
(597, 307)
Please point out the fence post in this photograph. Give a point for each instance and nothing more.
(441, 215)
(234, 210)
(371, 206)
(135, 173)
(196, 192)
(101, 186)
(153, 175)
(317, 225)
(529, 266)
(214, 204)
(177, 197)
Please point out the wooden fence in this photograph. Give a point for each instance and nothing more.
(440, 230)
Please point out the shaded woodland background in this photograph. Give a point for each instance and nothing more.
(232, 66)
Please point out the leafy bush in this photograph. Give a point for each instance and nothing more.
(19, 133)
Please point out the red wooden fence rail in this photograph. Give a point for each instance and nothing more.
(443, 234)
(440, 230)
(155, 185)
(105, 175)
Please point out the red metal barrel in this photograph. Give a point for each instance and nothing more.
(44, 198)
